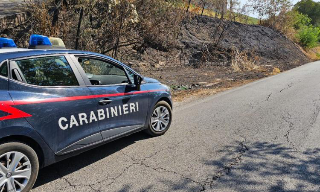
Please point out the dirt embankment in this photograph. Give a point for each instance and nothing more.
(209, 54)
(205, 35)
(214, 54)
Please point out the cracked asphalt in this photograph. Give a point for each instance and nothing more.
(263, 136)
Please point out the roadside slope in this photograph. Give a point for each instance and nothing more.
(216, 54)
(206, 41)
(206, 35)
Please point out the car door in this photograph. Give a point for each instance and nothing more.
(122, 107)
(50, 90)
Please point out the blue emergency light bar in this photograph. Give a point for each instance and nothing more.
(39, 41)
(7, 43)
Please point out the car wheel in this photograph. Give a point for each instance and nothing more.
(160, 119)
(19, 167)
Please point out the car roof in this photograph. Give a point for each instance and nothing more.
(14, 53)
(10, 50)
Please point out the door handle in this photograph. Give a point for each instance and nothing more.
(105, 101)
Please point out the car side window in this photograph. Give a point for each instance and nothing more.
(103, 73)
(4, 69)
(131, 76)
(47, 71)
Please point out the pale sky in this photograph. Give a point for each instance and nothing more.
(253, 15)
(292, 1)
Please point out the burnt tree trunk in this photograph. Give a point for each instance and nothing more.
(188, 6)
(203, 6)
(78, 30)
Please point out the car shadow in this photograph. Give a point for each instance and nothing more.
(50, 173)
(258, 166)
(264, 166)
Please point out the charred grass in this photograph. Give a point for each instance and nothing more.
(188, 82)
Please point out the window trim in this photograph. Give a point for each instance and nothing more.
(76, 56)
(70, 62)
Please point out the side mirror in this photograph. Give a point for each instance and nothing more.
(137, 81)
(95, 82)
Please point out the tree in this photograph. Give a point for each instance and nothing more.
(220, 7)
(310, 8)
(203, 5)
(232, 4)
(270, 9)
(243, 12)
(189, 3)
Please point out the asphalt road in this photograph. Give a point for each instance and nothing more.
(260, 137)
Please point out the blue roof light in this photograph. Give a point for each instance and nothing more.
(38, 40)
(6, 42)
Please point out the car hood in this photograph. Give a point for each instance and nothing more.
(150, 80)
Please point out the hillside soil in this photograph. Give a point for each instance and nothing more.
(215, 54)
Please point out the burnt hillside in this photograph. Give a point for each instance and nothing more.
(271, 46)
(201, 42)
(206, 41)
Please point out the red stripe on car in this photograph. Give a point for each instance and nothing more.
(6, 106)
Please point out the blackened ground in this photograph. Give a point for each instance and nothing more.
(10, 7)
(207, 47)
(207, 41)
(268, 45)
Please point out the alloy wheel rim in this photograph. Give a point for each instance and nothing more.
(160, 119)
(15, 171)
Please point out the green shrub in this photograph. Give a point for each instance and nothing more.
(300, 20)
(309, 36)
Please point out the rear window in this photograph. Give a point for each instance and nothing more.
(47, 71)
(4, 69)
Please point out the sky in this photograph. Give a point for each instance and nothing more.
(292, 1)
(254, 15)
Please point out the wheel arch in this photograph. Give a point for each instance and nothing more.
(156, 99)
(26, 134)
(166, 99)
(28, 141)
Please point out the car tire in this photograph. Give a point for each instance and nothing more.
(160, 119)
(25, 173)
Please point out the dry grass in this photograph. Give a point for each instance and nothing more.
(241, 61)
(314, 53)
(179, 96)
(209, 12)
(275, 71)
(224, 85)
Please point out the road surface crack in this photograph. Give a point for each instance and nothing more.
(315, 113)
(291, 127)
(73, 185)
(153, 154)
(228, 167)
(66, 180)
(141, 162)
(288, 87)
(268, 97)
(159, 169)
(114, 179)
(91, 187)
(135, 162)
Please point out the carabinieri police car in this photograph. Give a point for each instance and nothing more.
(56, 103)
